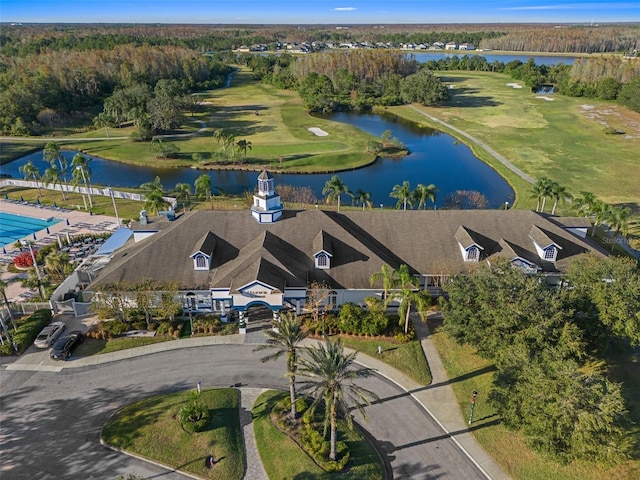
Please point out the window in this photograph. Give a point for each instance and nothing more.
(332, 300)
(472, 254)
(550, 253)
(322, 261)
(201, 261)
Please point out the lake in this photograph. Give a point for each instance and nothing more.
(435, 158)
(550, 60)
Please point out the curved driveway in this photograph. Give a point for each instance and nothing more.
(51, 422)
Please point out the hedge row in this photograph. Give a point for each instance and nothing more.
(28, 329)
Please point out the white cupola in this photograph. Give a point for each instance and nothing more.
(266, 206)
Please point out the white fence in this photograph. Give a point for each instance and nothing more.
(105, 192)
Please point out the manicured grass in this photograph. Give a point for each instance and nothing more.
(284, 459)
(468, 372)
(148, 428)
(562, 139)
(406, 357)
(93, 347)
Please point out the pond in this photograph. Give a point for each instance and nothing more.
(539, 59)
(435, 158)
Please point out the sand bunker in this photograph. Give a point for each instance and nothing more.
(543, 97)
(514, 85)
(318, 132)
(587, 107)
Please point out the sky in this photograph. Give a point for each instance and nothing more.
(318, 11)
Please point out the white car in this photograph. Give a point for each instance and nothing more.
(49, 334)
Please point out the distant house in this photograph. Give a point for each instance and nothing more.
(226, 262)
(437, 45)
(451, 46)
(467, 46)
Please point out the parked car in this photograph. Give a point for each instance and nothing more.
(65, 344)
(49, 334)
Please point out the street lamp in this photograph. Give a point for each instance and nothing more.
(84, 178)
(115, 209)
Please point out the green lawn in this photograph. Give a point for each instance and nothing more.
(562, 139)
(468, 372)
(148, 428)
(406, 357)
(283, 459)
(94, 347)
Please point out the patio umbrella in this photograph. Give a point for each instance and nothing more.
(67, 221)
(34, 236)
(48, 232)
(4, 250)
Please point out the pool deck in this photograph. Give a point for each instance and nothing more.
(79, 222)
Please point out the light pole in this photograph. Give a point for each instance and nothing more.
(84, 178)
(473, 405)
(115, 209)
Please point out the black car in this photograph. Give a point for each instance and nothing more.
(63, 347)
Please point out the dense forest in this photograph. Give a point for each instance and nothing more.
(57, 75)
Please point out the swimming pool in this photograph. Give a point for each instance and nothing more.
(14, 227)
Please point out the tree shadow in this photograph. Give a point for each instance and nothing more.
(465, 97)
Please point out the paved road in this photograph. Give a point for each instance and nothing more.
(51, 421)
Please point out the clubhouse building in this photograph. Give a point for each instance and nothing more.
(229, 261)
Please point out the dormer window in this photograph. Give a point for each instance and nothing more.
(472, 254)
(550, 253)
(201, 261)
(323, 261)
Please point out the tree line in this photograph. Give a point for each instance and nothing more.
(49, 89)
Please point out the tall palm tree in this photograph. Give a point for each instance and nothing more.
(52, 153)
(334, 188)
(540, 191)
(364, 198)
(619, 218)
(58, 265)
(584, 203)
(81, 172)
(3, 292)
(559, 193)
(389, 277)
(104, 120)
(402, 193)
(54, 175)
(29, 170)
(243, 145)
(332, 380)
(410, 295)
(219, 136)
(229, 140)
(183, 192)
(423, 193)
(601, 213)
(285, 338)
(154, 200)
(203, 187)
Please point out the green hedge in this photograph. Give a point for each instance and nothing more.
(28, 329)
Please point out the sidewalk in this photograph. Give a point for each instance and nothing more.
(437, 399)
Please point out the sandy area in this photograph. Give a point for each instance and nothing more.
(544, 97)
(318, 132)
(514, 85)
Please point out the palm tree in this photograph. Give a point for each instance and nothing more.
(104, 120)
(423, 193)
(3, 292)
(243, 145)
(619, 218)
(334, 188)
(601, 213)
(229, 140)
(29, 170)
(81, 171)
(203, 187)
(389, 279)
(54, 175)
(183, 192)
(584, 203)
(58, 265)
(540, 191)
(52, 153)
(403, 194)
(559, 194)
(363, 198)
(410, 295)
(285, 338)
(154, 201)
(219, 136)
(332, 378)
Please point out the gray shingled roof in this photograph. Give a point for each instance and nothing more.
(281, 253)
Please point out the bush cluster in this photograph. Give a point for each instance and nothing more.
(28, 329)
(194, 416)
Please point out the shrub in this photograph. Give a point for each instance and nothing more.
(24, 260)
(28, 329)
(113, 328)
(194, 416)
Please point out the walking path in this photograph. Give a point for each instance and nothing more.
(437, 399)
(495, 154)
(255, 469)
